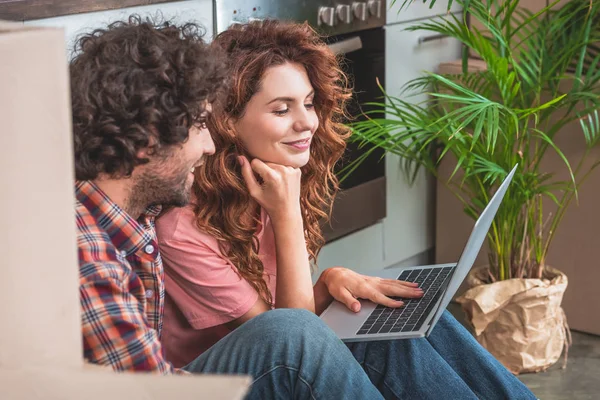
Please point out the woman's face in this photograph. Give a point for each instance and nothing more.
(280, 120)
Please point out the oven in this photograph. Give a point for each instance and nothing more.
(353, 29)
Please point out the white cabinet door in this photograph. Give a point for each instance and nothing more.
(417, 10)
(408, 228)
(198, 11)
(360, 251)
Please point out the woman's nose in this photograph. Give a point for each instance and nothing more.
(305, 121)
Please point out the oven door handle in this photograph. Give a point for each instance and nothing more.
(425, 39)
(346, 46)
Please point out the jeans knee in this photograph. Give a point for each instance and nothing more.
(448, 322)
(289, 318)
(298, 325)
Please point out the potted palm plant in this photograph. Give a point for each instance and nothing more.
(542, 73)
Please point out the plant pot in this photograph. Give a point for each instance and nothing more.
(520, 321)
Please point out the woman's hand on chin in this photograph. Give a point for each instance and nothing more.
(279, 191)
(347, 286)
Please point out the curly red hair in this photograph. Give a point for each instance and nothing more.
(223, 210)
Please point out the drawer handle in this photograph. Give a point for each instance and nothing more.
(425, 39)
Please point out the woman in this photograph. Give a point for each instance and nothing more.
(244, 247)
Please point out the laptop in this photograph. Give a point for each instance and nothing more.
(417, 317)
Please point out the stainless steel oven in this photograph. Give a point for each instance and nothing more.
(353, 29)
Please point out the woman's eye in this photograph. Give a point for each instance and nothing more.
(309, 106)
(281, 112)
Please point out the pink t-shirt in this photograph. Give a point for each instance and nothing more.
(204, 291)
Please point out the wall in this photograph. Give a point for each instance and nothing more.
(199, 11)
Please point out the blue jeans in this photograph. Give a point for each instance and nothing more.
(292, 354)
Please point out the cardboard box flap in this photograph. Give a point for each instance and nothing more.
(9, 26)
(75, 384)
(37, 228)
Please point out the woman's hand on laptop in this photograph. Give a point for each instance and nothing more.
(346, 286)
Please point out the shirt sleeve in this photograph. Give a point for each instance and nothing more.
(203, 283)
(115, 330)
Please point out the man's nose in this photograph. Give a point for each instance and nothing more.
(209, 147)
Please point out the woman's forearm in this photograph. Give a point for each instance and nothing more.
(294, 283)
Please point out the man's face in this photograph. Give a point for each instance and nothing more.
(167, 179)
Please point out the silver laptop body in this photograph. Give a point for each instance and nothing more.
(416, 318)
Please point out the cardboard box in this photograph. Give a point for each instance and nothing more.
(36, 206)
(574, 250)
(40, 340)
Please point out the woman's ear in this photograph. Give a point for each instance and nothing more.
(230, 125)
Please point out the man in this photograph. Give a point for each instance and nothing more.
(140, 96)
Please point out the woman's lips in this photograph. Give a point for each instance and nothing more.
(302, 145)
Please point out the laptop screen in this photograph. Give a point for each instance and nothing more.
(473, 246)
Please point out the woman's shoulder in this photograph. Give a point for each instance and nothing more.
(179, 224)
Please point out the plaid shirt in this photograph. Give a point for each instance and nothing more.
(121, 284)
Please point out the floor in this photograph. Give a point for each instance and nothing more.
(580, 380)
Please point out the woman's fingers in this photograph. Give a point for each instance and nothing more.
(345, 297)
(275, 187)
(346, 286)
(404, 283)
(249, 178)
(395, 289)
(366, 290)
(379, 298)
(277, 167)
(397, 282)
(267, 173)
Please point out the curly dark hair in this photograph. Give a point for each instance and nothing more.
(139, 84)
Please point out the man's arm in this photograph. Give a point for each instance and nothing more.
(115, 330)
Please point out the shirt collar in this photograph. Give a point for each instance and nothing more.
(127, 234)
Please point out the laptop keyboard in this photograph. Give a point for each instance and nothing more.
(411, 316)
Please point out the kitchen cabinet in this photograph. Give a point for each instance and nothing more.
(408, 229)
(417, 10)
(199, 11)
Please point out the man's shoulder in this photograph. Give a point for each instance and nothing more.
(98, 256)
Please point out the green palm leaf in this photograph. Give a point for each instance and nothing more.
(543, 72)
